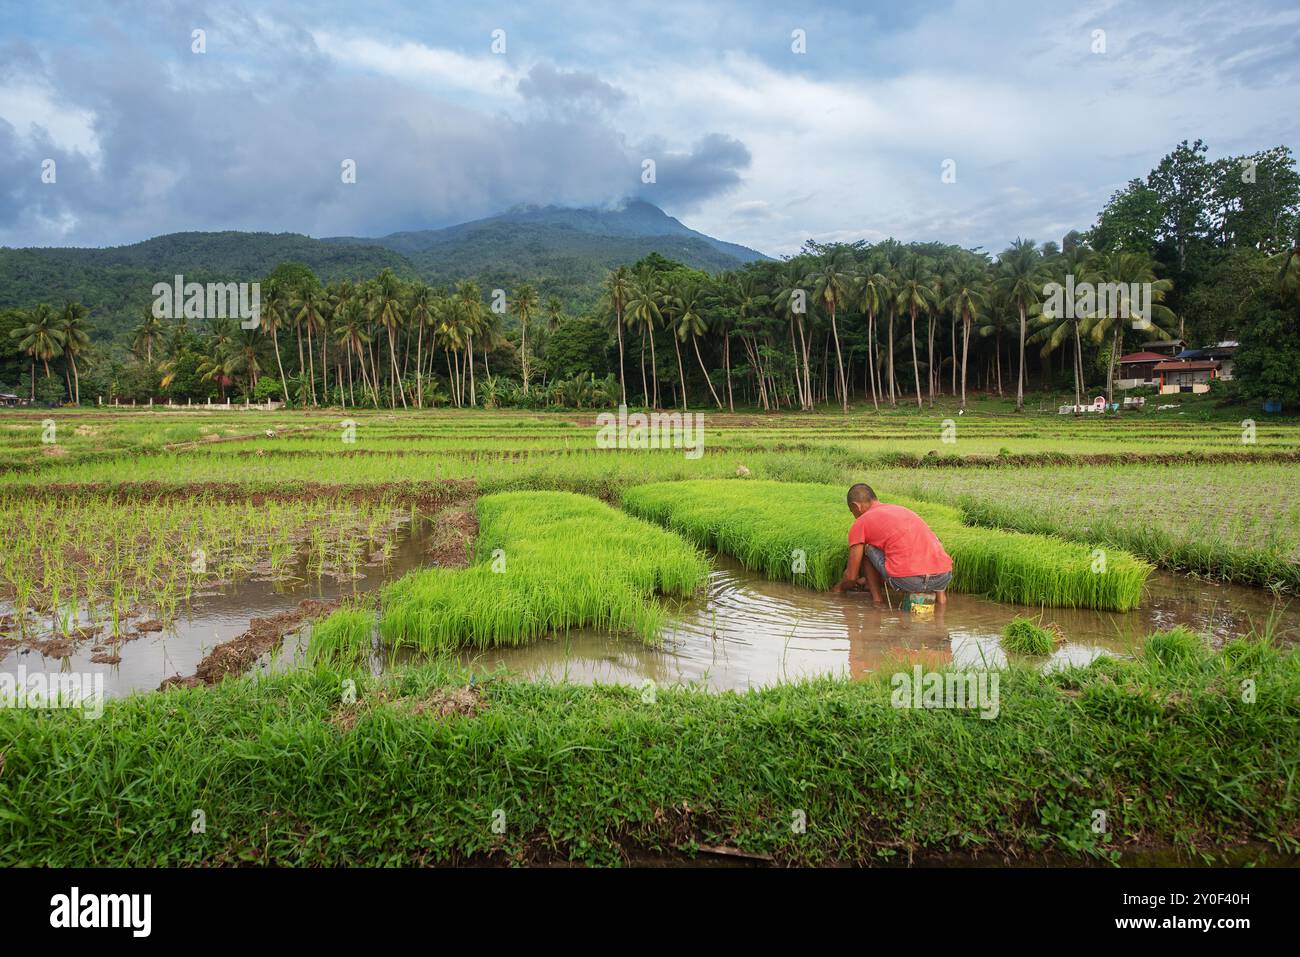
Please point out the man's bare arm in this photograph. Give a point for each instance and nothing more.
(851, 570)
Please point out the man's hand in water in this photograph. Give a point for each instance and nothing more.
(843, 586)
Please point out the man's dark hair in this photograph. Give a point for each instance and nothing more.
(861, 493)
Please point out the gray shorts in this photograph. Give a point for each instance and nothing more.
(908, 583)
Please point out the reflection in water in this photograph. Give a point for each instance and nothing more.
(743, 632)
(747, 632)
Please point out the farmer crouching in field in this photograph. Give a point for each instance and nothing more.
(900, 550)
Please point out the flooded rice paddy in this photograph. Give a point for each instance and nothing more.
(747, 632)
(742, 632)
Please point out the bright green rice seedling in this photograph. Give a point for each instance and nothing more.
(344, 638)
(1024, 636)
(545, 562)
(799, 533)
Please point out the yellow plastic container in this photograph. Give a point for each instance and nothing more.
(920, 605)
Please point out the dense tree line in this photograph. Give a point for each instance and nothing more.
(1217, 243)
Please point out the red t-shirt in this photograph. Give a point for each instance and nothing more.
(910, 547)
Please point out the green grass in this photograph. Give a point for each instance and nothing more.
(1024, 636)
(288, 773)
(767, 525)
(1174, 648)
(545, 563)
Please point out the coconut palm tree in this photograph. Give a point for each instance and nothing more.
(148, 334)
(669, 304)
(72, 323)
(618, 289)
(524, 306)
(312, 307)
(643, 309)
(275, 312)
(875, 294)
(690, 322)
(389, 310)
(217, 365)
(243, 358)
(470, 300)
(41, 337)
(915, 293)
(422, 306)
(791, 297)
(450, 335)
(1057, 329)
(1114, 317)
(833, 280)
(352, 332)
(965, 303)
(1021, 278)
(743, 292)
(554, 313)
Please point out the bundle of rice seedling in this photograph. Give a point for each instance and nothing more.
(1024, 636)
(545, 562)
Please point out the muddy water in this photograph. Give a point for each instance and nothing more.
(748, 632)
(742, 632)
(208, 621)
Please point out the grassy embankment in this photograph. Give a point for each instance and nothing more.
(1171, 746)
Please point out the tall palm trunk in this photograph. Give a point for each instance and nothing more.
(312, 362)
(469, 359)
(916, 368)
(726, 361)
(805, 400)
(392, 386)
(302, 362)
(695, 341)
(930, 371)
(645, 389)
(681, 373)
(871, 359)
(997, 357)
(893, 395)
(965, 352)
(953, 328)
(618, 323)
(1078, 367)
(798, 380)
(1110, 365)
(843, 382)
(275, 344)
(419, 366)
(1020, 381)
(654, 368)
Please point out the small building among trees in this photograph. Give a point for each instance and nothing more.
(1178, 376)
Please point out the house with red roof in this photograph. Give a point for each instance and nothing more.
(1137, 369)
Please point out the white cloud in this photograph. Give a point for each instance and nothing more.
(36, 114)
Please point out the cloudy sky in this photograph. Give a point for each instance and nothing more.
(753, 142)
